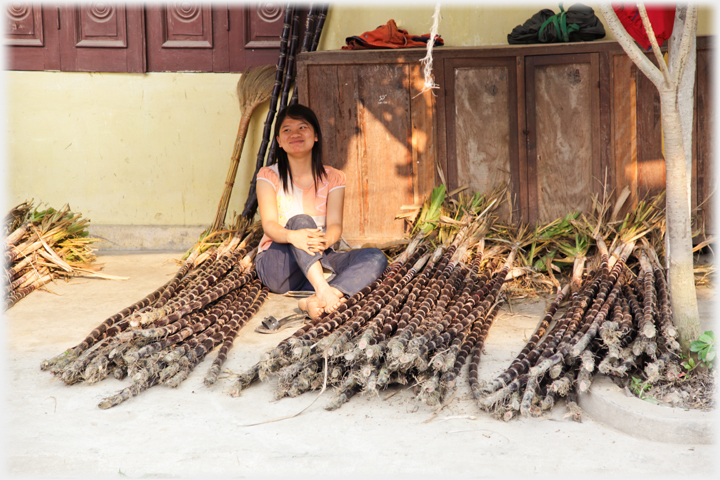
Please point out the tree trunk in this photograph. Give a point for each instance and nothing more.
(686, 89)
(678, 155)
(681, 279)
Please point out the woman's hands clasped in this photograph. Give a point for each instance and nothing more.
(311, 240)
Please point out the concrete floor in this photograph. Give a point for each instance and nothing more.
(57, 431)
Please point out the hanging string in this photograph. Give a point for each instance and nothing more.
(427, 61)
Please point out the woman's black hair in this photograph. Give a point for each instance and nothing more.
(298, 112)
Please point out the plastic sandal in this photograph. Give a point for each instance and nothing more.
(271, 324)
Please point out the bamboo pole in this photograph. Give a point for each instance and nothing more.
(288, 79)
(251, 202)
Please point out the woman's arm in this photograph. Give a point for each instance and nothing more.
(334, 218)
(305, 239)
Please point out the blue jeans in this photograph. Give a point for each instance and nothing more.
(283, 267)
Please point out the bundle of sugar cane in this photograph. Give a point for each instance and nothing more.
(428, 313)
(612, 317)
(161, 338)
(284, 79)
(42, 245)
(419, 322)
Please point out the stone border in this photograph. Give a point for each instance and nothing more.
(608, 404)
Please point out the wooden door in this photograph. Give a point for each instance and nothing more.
(564, 163)
(481, 126)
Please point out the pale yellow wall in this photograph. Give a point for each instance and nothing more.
(154, 149)
(128, 149)
(461, 24)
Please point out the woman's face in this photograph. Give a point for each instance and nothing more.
(297, 137)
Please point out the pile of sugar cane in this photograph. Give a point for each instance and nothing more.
(161, 338)
(428, 316)
(424, 322)
(43, 245)
(616, 322)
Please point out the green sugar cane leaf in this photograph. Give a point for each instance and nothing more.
(541, 264)
(707, 337)
(476, 203)
(531, 254)
(431, 214)
(437, 198)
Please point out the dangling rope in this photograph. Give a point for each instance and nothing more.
(428, 60)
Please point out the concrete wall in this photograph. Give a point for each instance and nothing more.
(152, 150)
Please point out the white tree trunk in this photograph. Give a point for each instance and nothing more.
(686, 89)
(681, 280)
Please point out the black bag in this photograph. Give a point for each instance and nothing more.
(578, 24)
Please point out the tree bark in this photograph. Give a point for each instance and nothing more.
(679, 256)
(686, 89)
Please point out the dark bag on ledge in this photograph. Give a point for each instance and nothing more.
(578, 24)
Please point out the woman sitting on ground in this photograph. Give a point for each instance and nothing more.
(301, 209)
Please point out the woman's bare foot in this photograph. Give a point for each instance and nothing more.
(311, 306)
(303, 303)
(327, 301)
(332, 298)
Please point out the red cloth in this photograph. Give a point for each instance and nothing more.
(662, 18)
(388, 36)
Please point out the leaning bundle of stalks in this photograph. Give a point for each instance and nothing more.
(253, 89)
(419, 323)
(616, 320)
(162, 337)
(284, 79)
(43, 245)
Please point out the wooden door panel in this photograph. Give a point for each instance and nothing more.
(187, 37)
(483, 129)
(562, 119)
(102, 37)
(624, 121)
(481, 116)
(254, 36)
(23, 25)
(187, 26)
(101, 25)
(365, 116)
(650, 157)
(336, 108)
(31, 37)
(383, 150)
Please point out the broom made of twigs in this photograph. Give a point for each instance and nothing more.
(253, 89)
